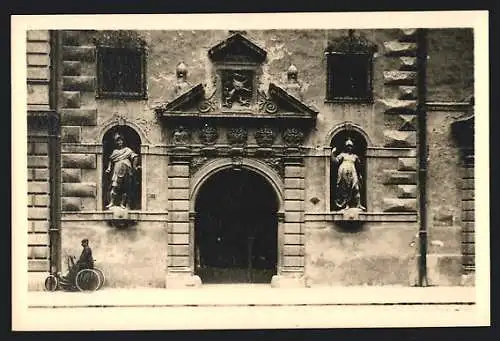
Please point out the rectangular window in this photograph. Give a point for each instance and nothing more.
(121, 72)
(349, 77)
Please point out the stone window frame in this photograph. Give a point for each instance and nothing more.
(103, 93)
(330, 65)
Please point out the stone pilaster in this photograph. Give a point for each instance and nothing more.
(292, 258)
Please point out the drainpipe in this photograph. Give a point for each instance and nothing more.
(422, 153)
(54, 158)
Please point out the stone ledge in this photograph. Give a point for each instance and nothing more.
(108, 215)
(363, 216)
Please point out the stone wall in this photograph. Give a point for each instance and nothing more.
(330, 255)
(38, 80)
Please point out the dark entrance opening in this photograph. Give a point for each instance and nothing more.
(236, 228)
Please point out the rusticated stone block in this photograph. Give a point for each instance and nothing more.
(38, 47)
(407, 164)
(397, 106)
(467, 183)
(400, 77)
(407, 92)
(408, 123)
(71, 68)
(400, 139)
(71, 175)
(82, 53)
(408, 34)
(84, 161)
(40, 35)
(71, 204)
(407, 63)
(394, 177)
(398, 48)
(79, 189)
(407, 191)
(71, 38)
(79, 117)
(78, 83)
(38, 60)
(71, 99)
(400, 205)
(70, 134)
(468, 205)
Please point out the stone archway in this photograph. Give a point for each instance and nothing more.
(236, 228)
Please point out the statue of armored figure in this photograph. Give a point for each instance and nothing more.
(349, 177)
(123, 166)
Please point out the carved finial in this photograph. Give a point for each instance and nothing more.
(181, 70)
(292, 72)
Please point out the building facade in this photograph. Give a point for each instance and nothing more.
(235, 171)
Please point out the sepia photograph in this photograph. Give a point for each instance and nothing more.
(228, 171)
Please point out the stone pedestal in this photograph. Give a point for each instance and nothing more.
(182, 280)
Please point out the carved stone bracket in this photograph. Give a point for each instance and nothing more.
(208, 135)
(265, 136)
(277, 164)
(293, 137)
(181, 136)
(196, 163)
(237, 136)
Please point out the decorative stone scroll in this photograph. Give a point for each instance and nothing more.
(265, 103)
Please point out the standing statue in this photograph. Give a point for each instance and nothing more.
(123, 164)
(348, 178)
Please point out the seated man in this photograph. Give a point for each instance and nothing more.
(84, 262)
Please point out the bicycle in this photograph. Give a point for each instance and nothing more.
(89, 279)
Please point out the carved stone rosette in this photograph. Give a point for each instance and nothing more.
(208, 135)
(237, 136)
(293, 137)
(265, 136)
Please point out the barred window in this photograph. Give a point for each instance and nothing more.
(121, 72)
(349, 77)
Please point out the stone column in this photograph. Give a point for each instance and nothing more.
(291, 258)
(180, 250)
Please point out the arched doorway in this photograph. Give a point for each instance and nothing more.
(236, 228)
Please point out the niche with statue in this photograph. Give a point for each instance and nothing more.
(348, 172)
(121, 181)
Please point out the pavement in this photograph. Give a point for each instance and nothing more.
(230, 295)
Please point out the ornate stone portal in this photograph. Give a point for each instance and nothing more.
(235, 126)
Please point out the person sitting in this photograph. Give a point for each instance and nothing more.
(86, 261)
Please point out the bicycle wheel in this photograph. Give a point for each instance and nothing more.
(51, 283)
(87, 280)
(101, 276)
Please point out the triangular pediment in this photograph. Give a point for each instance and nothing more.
(184, 101)
(237, 48)
(289, 103)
